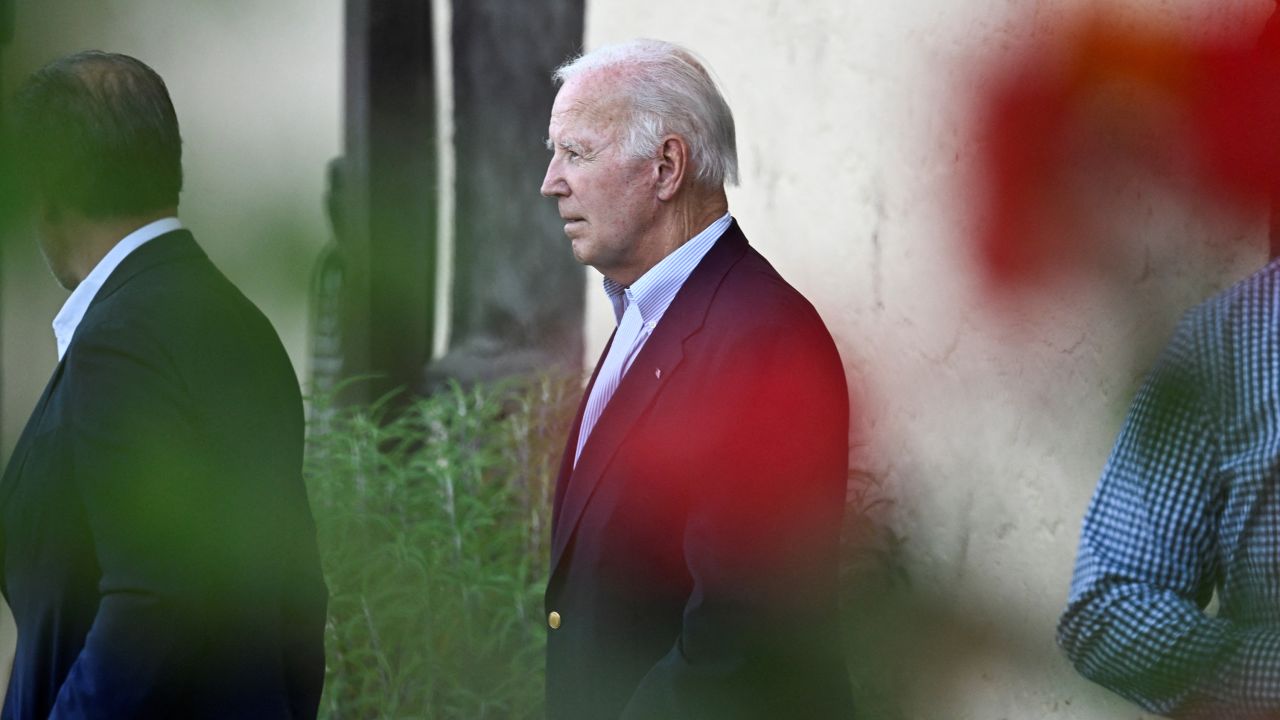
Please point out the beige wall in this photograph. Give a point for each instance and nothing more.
(988, 433)
(257, 86)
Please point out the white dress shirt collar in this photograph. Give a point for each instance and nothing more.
(72, 312)
(654, 291)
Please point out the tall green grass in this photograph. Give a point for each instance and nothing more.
(433, 523)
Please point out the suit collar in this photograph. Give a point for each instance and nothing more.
(176, 245)
(653, 291)
(72, 312)
(571, 443)
(650, 372)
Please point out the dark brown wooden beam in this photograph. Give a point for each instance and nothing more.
(389, 196)
(517, 298)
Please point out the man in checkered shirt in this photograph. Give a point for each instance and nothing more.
(1189, 504)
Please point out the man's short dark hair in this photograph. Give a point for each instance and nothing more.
(97, 134)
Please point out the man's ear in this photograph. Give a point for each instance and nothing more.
(673, 166)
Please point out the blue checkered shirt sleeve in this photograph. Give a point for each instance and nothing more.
(1186, 505)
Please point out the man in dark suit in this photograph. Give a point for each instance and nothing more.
(159, 554)
(698, 508)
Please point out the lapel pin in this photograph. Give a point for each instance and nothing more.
(657, 372)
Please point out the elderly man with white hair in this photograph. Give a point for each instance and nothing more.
(698, 507)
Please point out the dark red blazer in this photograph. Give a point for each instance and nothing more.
(694, 547)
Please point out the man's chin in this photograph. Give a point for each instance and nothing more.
(581, 250)
(66, 279)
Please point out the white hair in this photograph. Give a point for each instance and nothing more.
(670, 92)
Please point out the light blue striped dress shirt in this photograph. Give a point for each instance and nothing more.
(649, 297)
(653, 292)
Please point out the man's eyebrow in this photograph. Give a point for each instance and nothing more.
(568, 144)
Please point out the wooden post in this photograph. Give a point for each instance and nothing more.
(517, 298)
(389, 194)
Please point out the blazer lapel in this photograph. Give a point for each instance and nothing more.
(650, 372)
(571, 444)
(177, 245)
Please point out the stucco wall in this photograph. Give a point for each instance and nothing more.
(987, 429)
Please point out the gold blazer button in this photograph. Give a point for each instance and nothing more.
(554, 620)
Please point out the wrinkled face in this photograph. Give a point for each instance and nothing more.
(607, 199)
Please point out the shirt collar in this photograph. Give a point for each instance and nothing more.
(72, 312)
(653, 292)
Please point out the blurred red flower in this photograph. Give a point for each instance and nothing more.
(1100, 92)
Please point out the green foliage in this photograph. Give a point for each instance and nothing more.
(433, 518)
(878, 599)
(433, 524)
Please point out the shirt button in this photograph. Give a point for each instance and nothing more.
(554, 620)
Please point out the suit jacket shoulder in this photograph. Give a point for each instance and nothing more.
(159, 502)
(755, 314)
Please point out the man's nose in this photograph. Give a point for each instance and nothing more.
(553, 183)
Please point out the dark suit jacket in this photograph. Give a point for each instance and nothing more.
(158, 550)
(694, 547)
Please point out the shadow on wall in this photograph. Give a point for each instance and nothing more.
(918, 647)
(909, 644)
